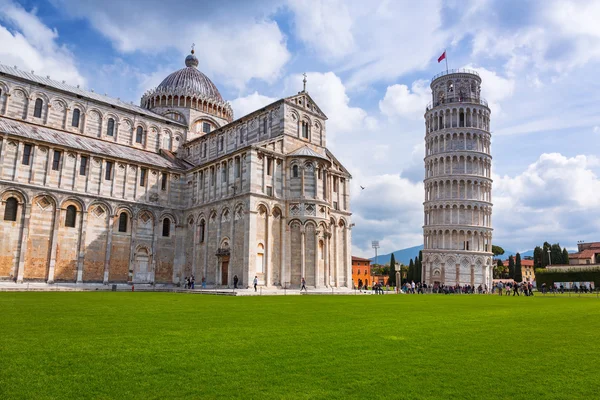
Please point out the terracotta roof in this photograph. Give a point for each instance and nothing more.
(587, 253)
(524, 263)
(360, 259)
(88, 144)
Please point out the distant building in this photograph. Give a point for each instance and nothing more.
(527, 269)
(361, 269)
(588, 254)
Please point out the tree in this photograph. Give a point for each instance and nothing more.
(411, 271)
(565, 259)
(498, 269)
(511, 267)
(557, 254)
(537, 257)
(418, 270)
(392, 275)
(518, 277)
(497, 250)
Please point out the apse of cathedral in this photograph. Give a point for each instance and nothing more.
(97, 190)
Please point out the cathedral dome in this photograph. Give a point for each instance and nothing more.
(190, 80)
(187, 88)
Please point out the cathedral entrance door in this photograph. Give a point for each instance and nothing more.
(225, 271)
(142, 273)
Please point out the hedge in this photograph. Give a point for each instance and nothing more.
(575, 274)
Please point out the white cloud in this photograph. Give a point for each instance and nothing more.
(389, 209)
(329, 92)
(399, 100)
(494, 88)
(247, 104)
(373, 41)
(553, 198)
(324, 25)
(31, 45)
(236, 44)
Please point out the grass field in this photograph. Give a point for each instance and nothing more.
(163, 345)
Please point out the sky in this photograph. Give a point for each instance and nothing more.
(369, 66)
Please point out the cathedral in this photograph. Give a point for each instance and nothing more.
(97, 190)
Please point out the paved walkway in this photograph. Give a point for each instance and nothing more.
(123, 287)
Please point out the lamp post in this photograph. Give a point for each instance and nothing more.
(549, 258)
(374, 245)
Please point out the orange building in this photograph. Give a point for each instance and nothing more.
(527, 269)
(361, 269)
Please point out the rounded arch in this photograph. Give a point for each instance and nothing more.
(127, 121)
(114, 116)
(14, 192)
(79, 105)
(48, 195)
(77, 202)
(311, 223)
(295, 221)
(142, 248)
(124, 208)
(168, 215)
(276, 212)
(106, 206)
(19, 89)
(260, 205)
(42, 96)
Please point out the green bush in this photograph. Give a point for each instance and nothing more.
(574, 274)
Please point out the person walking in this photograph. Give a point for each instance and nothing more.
(193, 282)
(203, 283)
(516, 289)
(255, 283)
(303, 285)
(235, 281)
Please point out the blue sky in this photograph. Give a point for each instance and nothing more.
(369, 65)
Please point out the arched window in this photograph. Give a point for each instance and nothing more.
(305, 129)
(123, 217)
(295, 171)
(70, 217)
(358, 272)
(37, 111)
(139, 135)
(166, 227)
(10, 209)
(110, 127)
(75, 120)
(202, 226)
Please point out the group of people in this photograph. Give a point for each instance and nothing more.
(189, 282)
(516, 288)
(459, 289)
(582, 288)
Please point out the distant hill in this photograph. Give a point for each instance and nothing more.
(405, 255)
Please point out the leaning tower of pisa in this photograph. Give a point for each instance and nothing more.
(457, 230)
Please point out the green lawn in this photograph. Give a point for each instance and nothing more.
(164, 345)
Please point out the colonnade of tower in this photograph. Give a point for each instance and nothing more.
(457, 230)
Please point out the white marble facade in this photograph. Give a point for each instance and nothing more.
(93, 189)
(457, 226)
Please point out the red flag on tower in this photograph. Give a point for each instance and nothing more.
(443, 56)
